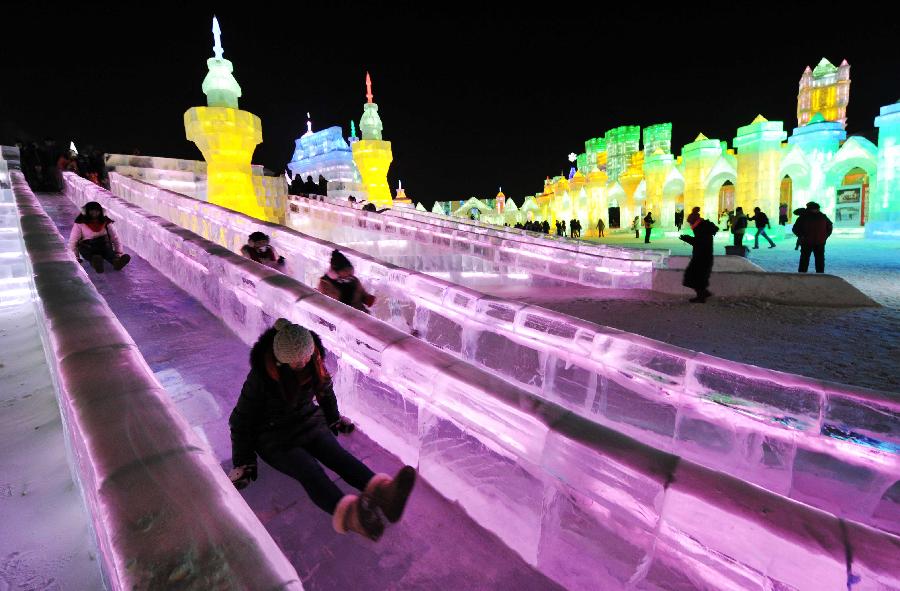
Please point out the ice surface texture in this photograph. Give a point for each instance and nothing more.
(587, 505)
(832, 446)
(164, 513)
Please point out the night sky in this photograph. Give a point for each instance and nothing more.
(471, 98)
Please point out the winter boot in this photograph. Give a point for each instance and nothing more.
(390, 495)
(121, 262)
(97, 263)
(358, 514)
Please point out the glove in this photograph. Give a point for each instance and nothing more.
(368, 300)
(342, 425)
(241, 476)
(280, 260)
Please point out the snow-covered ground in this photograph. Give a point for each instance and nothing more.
(858, 346)
(46, 542)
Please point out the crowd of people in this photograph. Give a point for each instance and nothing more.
(43, 164)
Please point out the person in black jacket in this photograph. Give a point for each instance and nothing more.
(696, 275)
(812, 229)
(762, 222)
(276, 418)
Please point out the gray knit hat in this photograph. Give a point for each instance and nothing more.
(293, 343)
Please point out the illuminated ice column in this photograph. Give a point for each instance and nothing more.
(817, 142)
(657, 167)
(227, 137)
(599, 208)
(699, 157)
(884, 208)
(371, 154)
(631, 181)
(759, 153)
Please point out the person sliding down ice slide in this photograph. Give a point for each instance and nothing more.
(94, 238)
(276, 418)
(258, 249)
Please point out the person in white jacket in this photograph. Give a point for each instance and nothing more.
(94, 239)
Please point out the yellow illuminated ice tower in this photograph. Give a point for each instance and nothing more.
(227, 138)
(825, 90)
(371, 154)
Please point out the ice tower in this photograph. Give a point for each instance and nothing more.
(825, 90)
(884, 209)
(227, 137)
(371, 154)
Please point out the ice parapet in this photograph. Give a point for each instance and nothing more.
(731, 417)
(574, 497)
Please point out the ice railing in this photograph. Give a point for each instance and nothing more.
(588, 506)
(164, 513)
(657, 256)
(773, 429)
(607, 269)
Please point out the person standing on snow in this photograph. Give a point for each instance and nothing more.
(94, 239)
(648, 226)
(340, 283)
(601, 227)
(762, 222)
(812, 229)
(696, 275)
(739, 226)
(275, 418)
(636, 226)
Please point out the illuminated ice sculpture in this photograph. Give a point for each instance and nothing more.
(325, 153)
(227, 137)
(372, 154)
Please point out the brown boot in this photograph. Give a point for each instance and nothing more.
(390, 495)
(357, 513)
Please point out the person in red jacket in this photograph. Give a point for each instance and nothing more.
(340, 283)
(812, 229)
(94, 238)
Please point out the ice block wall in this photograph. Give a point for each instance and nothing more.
(345, 225)
(828, 445)
(164, 513)
(590, 507)
(14, 281)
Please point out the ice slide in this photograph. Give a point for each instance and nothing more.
(201, 364)
(589, 507)
(831, 446)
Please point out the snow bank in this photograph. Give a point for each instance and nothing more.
(585, 504)
(164, 512)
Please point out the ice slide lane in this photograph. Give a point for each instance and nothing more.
(202, 365)
(587, 506)
(828, 445)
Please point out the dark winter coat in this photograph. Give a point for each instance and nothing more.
(696, 275)
(813, 228)
(761, 219)
(351, 293)
(272, 414)
(739, 224)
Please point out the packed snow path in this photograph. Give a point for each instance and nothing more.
(202, 365)
(53, 547)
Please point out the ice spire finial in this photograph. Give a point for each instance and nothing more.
(399, 185)
(352, 128)
(308, 123)
(369, 96)
(217, 34)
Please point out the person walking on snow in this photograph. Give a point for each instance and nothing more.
(94, 239)
(762, 222)
(340, 283)
(276, 419)
(739, 226)
(813, 229)
(696, 275)
(648, 226)
(693, 217)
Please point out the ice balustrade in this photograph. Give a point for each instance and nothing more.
(657, 256)
(519, 259)
(588, 506)
(164, 513)
(829, 445)
(14, 280)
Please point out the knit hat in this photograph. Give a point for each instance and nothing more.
(339, 262)
(293, 344)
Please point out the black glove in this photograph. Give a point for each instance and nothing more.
(241, 476)
(280, 260)
(342, 425)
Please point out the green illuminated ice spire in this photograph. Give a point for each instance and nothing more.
(219, 86)
(370, 123)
